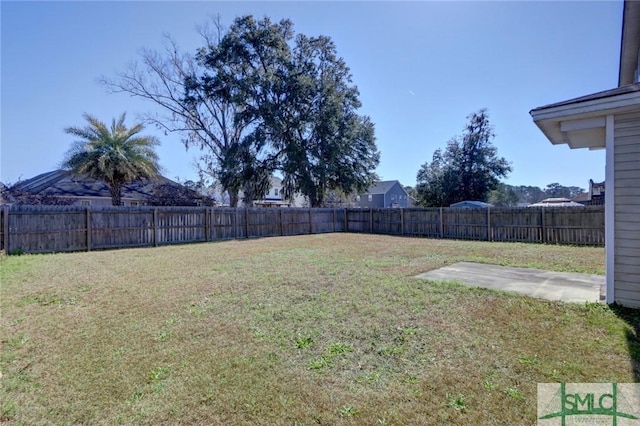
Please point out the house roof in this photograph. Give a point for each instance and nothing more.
(581, 122)
(383, 187)
(61, 183)
(471, 204)
(582, 197)
(556, 202)
(622, 90)
(629, 43)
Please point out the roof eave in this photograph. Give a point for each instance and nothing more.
(581, 124)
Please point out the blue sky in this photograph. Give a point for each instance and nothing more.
(421, 68)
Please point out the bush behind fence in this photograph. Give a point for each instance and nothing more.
(46, 229)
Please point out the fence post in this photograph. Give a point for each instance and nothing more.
(280, 221)
(235, 227)
(206, 224)
(346, 221)
(310, 223)
(246, 222)
(88, 227)
(334, 219)
(543, 225)
(489, 224)
(401, 221)
(441, 225)
(155, 227)
(212, 222)
(371, 220)
(5, 230)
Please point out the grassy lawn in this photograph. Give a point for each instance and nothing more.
(321, 329)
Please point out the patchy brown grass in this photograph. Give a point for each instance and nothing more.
(320, 329)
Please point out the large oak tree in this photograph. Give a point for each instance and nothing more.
(256, 99)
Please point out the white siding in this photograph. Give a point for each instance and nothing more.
(627, 209)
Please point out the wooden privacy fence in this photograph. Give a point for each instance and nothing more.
(566, 225)
(46, 229)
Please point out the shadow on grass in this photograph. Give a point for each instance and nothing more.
(631, 317)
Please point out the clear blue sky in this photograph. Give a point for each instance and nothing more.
(421, 68)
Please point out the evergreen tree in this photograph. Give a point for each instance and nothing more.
(468, 169)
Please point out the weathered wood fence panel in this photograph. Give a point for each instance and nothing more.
(262, 223)
(181, 224)
(295, 221)
(468, 224)
(114, 227)
(387, 221)
(4, 228)
(521, 225)
(566, 225)
(325, 220)
(45, 229)
(574, 226)
(423, 222)
(359, 220)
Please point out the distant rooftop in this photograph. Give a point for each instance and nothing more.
(470, 204)
(556, 202)
(382, 187)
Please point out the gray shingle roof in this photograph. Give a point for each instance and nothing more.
(631, 88)
(61, 183)
(382, 187)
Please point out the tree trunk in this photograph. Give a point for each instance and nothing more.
(233, 198)
(116, 194)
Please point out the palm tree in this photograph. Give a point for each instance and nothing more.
(116, 156)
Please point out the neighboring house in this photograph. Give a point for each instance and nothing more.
(274, 197)
(385, 194)
(594, 197)
(611, 120)
(596, 193)
(556, 202)
(582, 199)
(77, 190)
(471, 205)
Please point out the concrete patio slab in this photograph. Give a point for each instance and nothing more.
(563, 286)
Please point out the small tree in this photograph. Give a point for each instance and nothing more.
(468, 168)
(169, 194)
(113, 155)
